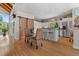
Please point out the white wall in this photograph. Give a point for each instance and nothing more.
(45, 25)
(37, 25)
(22, 14)
(40, 25)
(15, 35)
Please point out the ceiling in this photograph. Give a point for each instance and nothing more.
(7, 7)
(45, 10)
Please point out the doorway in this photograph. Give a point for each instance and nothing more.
(65, 33)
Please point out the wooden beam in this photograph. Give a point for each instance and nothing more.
(7, 6)
(10, 4)
(4, 7)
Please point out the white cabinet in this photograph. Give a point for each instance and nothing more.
(51, 34)
(76, 38)
(56, 35)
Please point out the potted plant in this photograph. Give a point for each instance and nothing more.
(4, 30)
(56, 25)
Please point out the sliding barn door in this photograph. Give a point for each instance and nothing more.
(23, 27)
(26, 25)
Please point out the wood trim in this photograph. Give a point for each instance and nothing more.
(26, 28)
(19, 29)
(10, 4)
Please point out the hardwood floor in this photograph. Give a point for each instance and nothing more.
(49, 49)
